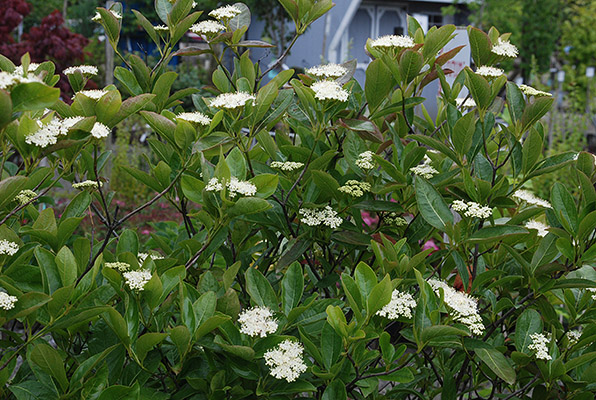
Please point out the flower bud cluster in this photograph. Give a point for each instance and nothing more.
(326, 216)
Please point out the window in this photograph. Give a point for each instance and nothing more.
(435, 20)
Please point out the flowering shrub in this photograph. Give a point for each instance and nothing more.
(336, 241)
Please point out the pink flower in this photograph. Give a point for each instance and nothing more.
(430, 244)
(368, 219)
(145, 232)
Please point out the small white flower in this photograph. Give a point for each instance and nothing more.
(505, 49)
(225, 12)
(8, 248)
(85, 70)
(530, 91)
(539, 226)
(214, 185)
(530, 198)
(401, 304)
(398, 41)
(365, 160)
(590, 289)
(462, 102)
(7, 80)
(489, 72)
(161, 28)
(478, 211)
(46, 135)
(231, 100)
(573, 337)
(25, 196)
(286, 165)
(329, 90)
(7, 301)
(196, 117)
(136, 280)
(68, 123)
(425, 170)
(19, 69)
(327, 71)
(244, 188)
(315, 217)
(257, 321)
(459, 205)
(100, 131)
(120, 266)
(207, 28)
(97, 16)
(88, 184)
(464, 308)
(355, 188)
(286, 360)
(540, 346)
(94, 94)
(143, 256)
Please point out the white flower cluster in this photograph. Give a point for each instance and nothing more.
(257, 321)
(161, 28)
(25, 196)
(120, 266)
(97, 16)
(472, 209)
(207, 28)
(143, 256)
(539, 226)
(329, 90)
(136, 280)
(327, 71)
(590, 289)
(286, 165)
(94, 94)
(8, 248)
(528, 197)
(7, 301)
(100, 131)
(89, 70)
(214, 185)
(88, 184)
(326, 216)
(365, 160)
(530, 91)
(231, 101)
(540, 346)
(489, 72)
(48, 133)
(20, 71)
(234, 185)
(225, 12)
(355, 188)
(463, 306)
(573, 337)
(197, 117)
(396, 220)
(504, 48)
(8, 79)
(424, 170)
(286, 360)
(398, 41)
(401, 304)
(462, 102)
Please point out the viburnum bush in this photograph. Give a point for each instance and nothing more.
(336, 241)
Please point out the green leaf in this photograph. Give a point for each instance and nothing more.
(77, 206)
(5, 108)
(580, 360)
(564, 207)
(10, 187)
(515, 101)
(180, 335)
(118, 325)
(146, 342)
(437, 331)
(463, 133)
(378, 83)
(33, 96)
(365, 278)
(480, 45)
(546, 252)
(247, 206)
(27, 303)
(50, 361)
(379, 296)
(67, 266)
(118, 392)
(535, 111)
(531, 150)
(292, 287)
(331, 346)
(260, 290)
(410, 64)
(431, 205)
(495, 233)
(497, 363)
(336, 390)
(479, 89)
(529, 322)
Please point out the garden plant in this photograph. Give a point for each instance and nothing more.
(333, 241)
